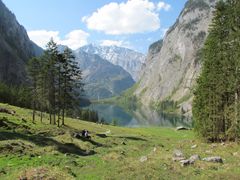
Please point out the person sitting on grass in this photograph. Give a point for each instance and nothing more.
(85, 133)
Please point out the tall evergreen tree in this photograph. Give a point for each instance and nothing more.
(33, 70)
(216, 103)
(72, 82)
(56, 83)
(52, 59)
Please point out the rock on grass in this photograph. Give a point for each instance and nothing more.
(178, 155)
(215, 159)
(143, 159)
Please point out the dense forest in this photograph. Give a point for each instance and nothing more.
(216, 106)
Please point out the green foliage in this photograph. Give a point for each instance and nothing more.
(216, 103)
(87, 115)
(175, 58)
(126, 100)
(168, 106)
(15, 95)
(191, 25)
(200, 37)
(114, 122)
(56, 81)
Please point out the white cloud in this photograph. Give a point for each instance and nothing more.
(133, 16)
(162, 5)
(73, 40)
(120, 43)
(42, 37)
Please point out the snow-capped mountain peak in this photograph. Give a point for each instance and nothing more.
(128, 59)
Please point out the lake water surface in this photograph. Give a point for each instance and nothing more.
(141, 117)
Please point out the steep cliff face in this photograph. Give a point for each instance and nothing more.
(15, 48)
(172, 64)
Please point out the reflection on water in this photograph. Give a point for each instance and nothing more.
(140, 117)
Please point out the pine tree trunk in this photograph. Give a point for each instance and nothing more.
(236, 108)
(59, 95)
(54, 118)
(58, 119)
(50, 117)
(41, 116)
(63, 114)
(33, 117)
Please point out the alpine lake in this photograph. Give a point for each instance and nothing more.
(139, 117)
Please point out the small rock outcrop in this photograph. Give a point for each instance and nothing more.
(194, 158)
(143, 159)
(181, 128)
(190, 161)
(178, 155)
(193, 146)
(186, 162)
(215, 159)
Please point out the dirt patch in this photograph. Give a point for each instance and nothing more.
(43, 173)
(7, 111)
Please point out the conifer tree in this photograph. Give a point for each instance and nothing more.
(72, 82)
(33, 67)
(216, 103)
(52, 58)
(56, 83)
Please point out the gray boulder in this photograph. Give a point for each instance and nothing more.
(182, 128)
(190, 161)
(194, 146)
(178, 155)
(143, 159)
(215, 159)
(194, 158)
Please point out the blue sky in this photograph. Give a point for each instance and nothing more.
(129, 23)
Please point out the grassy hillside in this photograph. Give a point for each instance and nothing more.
(45, 151)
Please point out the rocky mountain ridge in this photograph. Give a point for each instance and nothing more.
(128, 59)
(102, 79)
(173, 64)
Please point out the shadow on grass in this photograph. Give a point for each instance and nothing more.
(102, 135)
(131, 138)
(5, 124)
(76, 131)
(90, 140)
(39, 140)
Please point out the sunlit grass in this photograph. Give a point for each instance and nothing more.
(32, 149)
